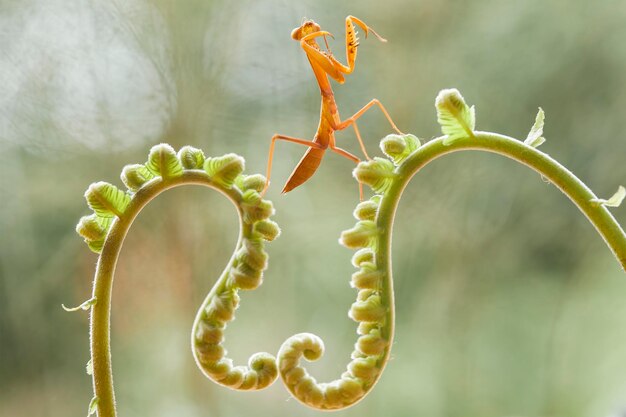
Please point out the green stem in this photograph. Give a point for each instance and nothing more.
(557, 174)
(100, 335)
(570, 185)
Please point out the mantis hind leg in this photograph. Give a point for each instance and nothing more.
(349, 156)
(270, 157)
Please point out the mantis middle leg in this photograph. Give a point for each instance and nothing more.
(351, 157)
(351, 121)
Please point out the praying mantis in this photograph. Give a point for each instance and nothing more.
(324, 64)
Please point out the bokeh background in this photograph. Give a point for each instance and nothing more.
(508, 303)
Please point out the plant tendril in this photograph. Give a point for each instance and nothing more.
(374, 308)
(105, 231)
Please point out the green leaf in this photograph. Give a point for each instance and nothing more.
(268, 229)
(95, 245)
(224, 169)
(84, 306)
(135, 176)
(534, 137)
(256, 211)
(399, 147)
(191, 158)
(163, 161)
(93, 406)
(457, 120)
(254, 182)
(366, 210)
(363, 234)
(89, 367)
(614, 201)
(93, 227)
(378, 173)
(106, 200)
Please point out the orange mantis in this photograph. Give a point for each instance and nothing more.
(324, 64)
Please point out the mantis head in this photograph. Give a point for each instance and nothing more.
(307, 27)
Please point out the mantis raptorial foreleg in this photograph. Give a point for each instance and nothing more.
(324, 65)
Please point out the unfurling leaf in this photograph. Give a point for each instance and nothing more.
(378, 173)
(93, 227)
(84, 306)
(399, 147)
(191, 158)
(367, 210)
(93, 406)
(106, 200)
(363, 234)
(614, 201)
(135, 176)
(163, 161)
(254, 182)
(457, 120)
(268, 229)
(95, 245)
(225, 169)
(534, 137)
(89, 367)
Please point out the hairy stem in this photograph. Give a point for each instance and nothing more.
(100, 336)
(372, 235)
(557, 174)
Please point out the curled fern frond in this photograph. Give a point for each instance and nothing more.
(373, 309)
(191, 158)
(366, 210)
(456, 118)
(399, 147)
(378, 173)
(224, 169)
(163, 161)
(106, 200)
(361, 256)
(254, 182)
(369, 310)
(105, 230)
(363, 235)
(135, 176)
(267, 229)
(93, 227)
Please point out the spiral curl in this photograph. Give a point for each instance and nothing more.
(372, 346)
(114, 210)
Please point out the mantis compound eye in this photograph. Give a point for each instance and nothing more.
(307, 27)
(296, 34)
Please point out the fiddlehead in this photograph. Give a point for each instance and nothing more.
(374, 308)
(115, 210)
(104, 232)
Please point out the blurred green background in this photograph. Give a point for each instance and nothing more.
(508, 303)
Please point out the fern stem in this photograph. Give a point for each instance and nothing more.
(100, 319)
(557, 174)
